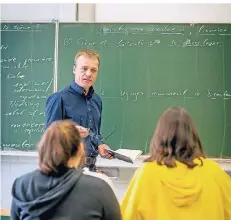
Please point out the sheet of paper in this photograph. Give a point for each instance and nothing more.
(133, 154)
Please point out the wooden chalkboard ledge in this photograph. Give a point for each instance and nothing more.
(18, 153)
(115, 163)
(5, 212)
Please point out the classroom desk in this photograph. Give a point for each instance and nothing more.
(14, 164)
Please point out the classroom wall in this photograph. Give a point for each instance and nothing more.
(40, 12)
(177, 12)
(14, 166)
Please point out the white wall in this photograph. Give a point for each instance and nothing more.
(177, 12)
(213, 13)
(38, 12)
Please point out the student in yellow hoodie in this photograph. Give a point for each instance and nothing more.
(177, 182)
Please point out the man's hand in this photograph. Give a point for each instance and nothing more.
(102, 148)
(83, 131)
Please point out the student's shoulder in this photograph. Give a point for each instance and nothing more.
(211, 165)
(98, 179)
(26, 178)
(146, 170)
(214, 169)
(149, 166)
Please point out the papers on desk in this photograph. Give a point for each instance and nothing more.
(126, 155)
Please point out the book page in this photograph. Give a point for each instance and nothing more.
(133, 154)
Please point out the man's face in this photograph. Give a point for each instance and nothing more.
(86, 71)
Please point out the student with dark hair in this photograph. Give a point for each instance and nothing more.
(177, 181)
(60, 189)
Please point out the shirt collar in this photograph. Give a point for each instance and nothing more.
(80, 90)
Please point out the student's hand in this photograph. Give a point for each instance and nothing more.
(83, 131)
(102, 148)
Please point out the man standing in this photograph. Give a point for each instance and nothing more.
(79, 102)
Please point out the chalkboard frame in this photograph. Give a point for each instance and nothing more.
(56, 66)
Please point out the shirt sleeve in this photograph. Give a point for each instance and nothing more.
(98, 138)
(54, 109)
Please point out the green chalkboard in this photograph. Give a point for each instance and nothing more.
(27, 63)
(4, 217)
(146, 68)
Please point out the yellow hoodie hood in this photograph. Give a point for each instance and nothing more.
(161, 193)
(181, 186)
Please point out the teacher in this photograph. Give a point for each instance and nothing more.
(79, 103)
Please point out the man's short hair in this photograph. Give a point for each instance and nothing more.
(88, 53)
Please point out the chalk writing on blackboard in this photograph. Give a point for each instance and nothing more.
(155, 29)
(32, 86)
(16, 112)
(28, 127)
(138, 30)
(212, 30)
(21, 27)
(142, 42)
(28, 95)
(131, 94)
(4, 47)
(184, 93)
(17, 75)
(27, 67)
(215, 95)
(193, 43)
(22, 145)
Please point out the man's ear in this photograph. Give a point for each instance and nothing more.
(73, 69)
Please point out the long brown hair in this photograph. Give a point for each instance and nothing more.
(175, 138)
(58, 144)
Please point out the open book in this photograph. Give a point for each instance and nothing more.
(125, 154)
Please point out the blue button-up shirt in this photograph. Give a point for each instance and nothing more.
(72, 103)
